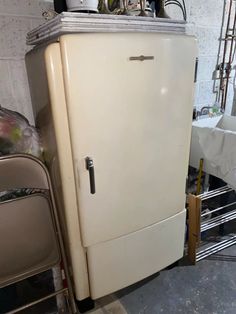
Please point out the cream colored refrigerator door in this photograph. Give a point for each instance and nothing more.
(133, 119)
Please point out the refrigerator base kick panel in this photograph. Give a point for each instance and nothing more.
(121, 262)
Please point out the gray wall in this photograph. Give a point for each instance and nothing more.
(17, 17)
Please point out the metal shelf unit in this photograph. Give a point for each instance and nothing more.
(196, 224)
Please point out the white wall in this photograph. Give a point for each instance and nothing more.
(204, 21)
(17, 17)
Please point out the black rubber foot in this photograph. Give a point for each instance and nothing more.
(171, 266)
(85, 305)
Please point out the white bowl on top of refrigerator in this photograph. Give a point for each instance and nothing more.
(82, 5)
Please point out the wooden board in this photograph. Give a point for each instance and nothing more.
(194, 233)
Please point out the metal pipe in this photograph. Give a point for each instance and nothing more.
(213, 191)
(206, 182)
(228, 70)
(215, 195)
(199, 258)
(225, 46)
(142, 8)
(216, 88)
(204, 108)
(177, 3)
(217, 209)
(216, 221)
(215, 248)
(199, 178)
(222, 80)
(162, 12)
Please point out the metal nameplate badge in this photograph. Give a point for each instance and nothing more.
(141, 58)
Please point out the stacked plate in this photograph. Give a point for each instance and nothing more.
(68, 22)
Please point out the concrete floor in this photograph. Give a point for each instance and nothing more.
(207, 288)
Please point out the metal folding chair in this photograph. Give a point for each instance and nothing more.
(30, 235)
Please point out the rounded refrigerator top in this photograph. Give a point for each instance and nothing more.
(69, 23)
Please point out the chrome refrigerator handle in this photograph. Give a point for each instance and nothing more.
(90, 168)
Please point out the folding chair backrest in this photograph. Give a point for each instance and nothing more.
(22, 171)
(28, 241)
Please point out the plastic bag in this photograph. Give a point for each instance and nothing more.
(17, 135)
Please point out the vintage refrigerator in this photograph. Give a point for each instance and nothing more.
(114, 110)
